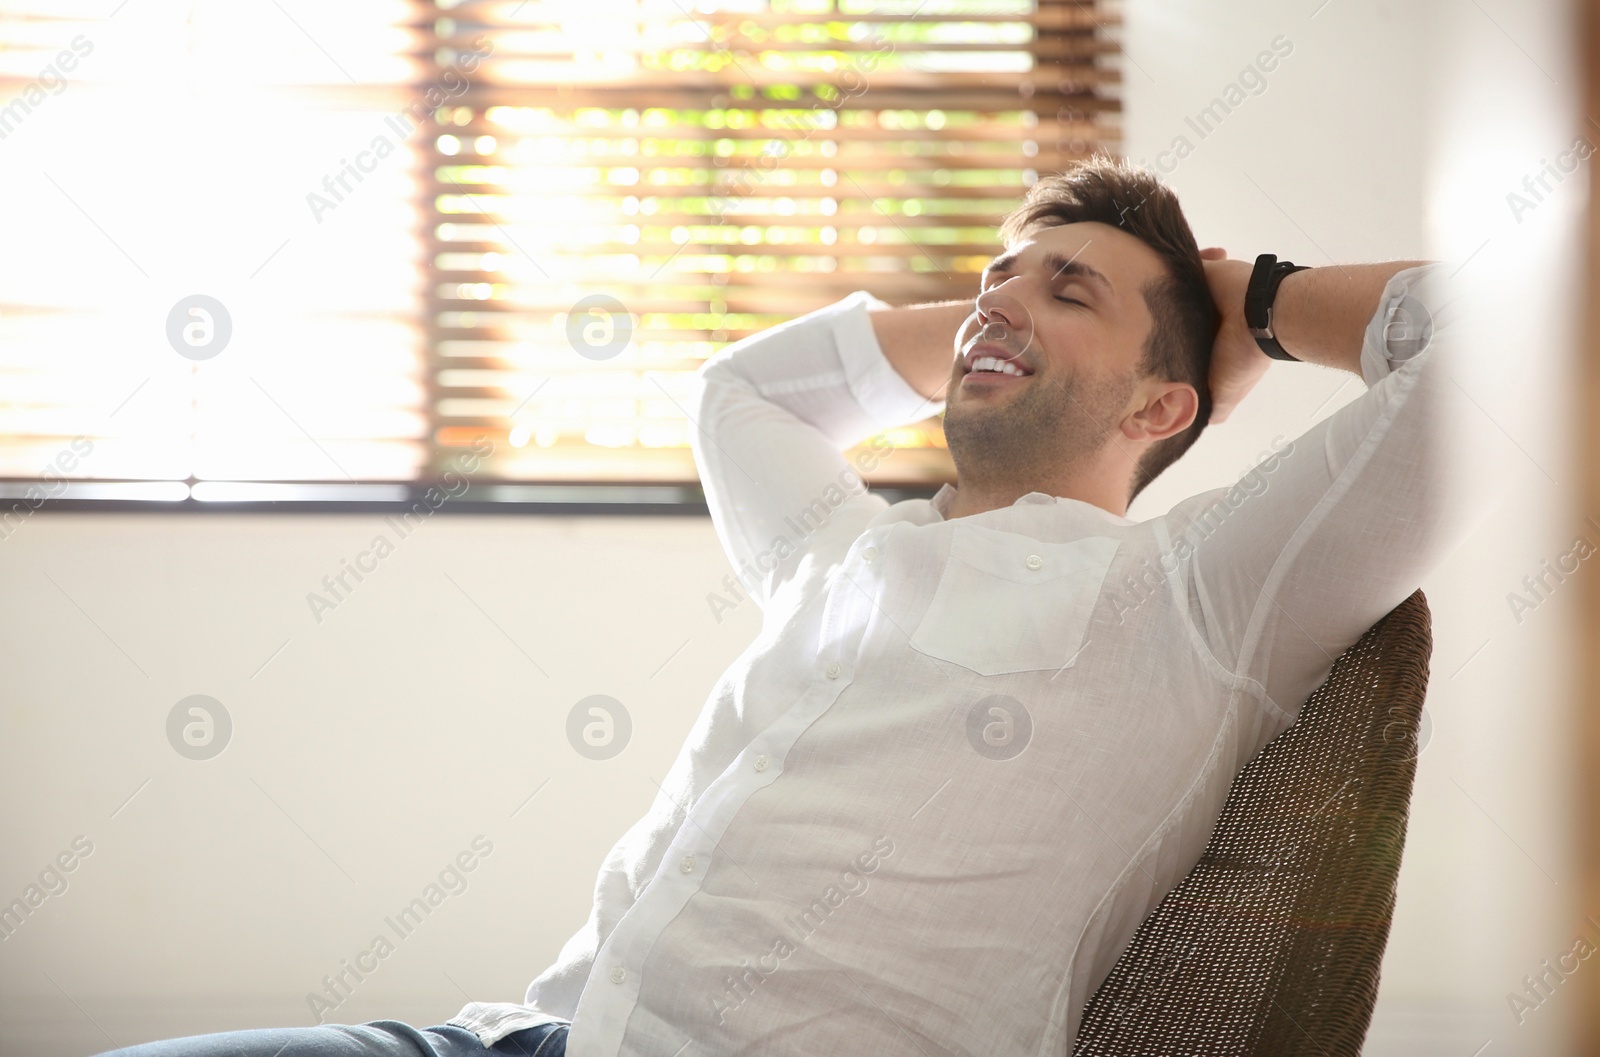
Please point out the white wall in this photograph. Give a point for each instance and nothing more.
(1395, 131)
(369, 752)
(375, 745)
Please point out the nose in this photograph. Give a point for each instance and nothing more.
(992, 305)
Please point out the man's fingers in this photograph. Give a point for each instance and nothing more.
(1213, 253)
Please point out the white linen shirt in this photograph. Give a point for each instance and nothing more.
(925, 811)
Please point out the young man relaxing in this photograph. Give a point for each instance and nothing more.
(980, 736)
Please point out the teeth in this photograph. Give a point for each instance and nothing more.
(993, 363)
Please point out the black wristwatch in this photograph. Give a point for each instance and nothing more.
(1264, 280)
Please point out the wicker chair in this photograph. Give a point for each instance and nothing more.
(1272, 944)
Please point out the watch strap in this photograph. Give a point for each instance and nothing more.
(1258, 298)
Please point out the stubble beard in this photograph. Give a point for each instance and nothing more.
(1025, 442)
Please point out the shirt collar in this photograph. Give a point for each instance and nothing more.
(947, 493)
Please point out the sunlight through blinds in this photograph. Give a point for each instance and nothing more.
(629, 185)
(174, 158)
(425, 223)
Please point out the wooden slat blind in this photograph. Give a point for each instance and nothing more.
(712, 172)
(611, 190)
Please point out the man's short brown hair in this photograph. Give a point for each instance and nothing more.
(1183, 314)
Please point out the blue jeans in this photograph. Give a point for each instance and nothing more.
(379, 1038)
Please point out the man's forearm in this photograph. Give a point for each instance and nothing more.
(919, 342)
(1319, 315)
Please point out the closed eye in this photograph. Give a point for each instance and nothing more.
(1069, 300)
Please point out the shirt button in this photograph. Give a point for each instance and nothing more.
(869, 554)
(833, 670)
(687, 865)
(759, 763)
(618, 975)
(1034, 561)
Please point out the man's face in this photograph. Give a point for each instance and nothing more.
(1046, 366)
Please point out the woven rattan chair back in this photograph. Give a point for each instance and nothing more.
(1272, 944)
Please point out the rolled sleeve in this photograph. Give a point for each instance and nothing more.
(773, 414)
(884, 396)
(1409, 310)
(1320, 541)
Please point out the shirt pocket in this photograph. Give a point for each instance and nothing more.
(1009, 603)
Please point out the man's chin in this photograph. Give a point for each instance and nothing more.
(979, 422)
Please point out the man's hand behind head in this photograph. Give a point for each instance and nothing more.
(1237, 362)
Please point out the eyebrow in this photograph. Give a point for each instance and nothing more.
(1058, 264)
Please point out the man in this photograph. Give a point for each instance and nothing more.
(980, 736)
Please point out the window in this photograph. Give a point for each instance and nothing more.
(294, 251)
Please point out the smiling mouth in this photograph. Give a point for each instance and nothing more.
(991, 361)
(995, 365)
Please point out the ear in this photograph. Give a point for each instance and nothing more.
(1169, 408)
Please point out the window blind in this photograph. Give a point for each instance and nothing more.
(580, 203)
(174, 159)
